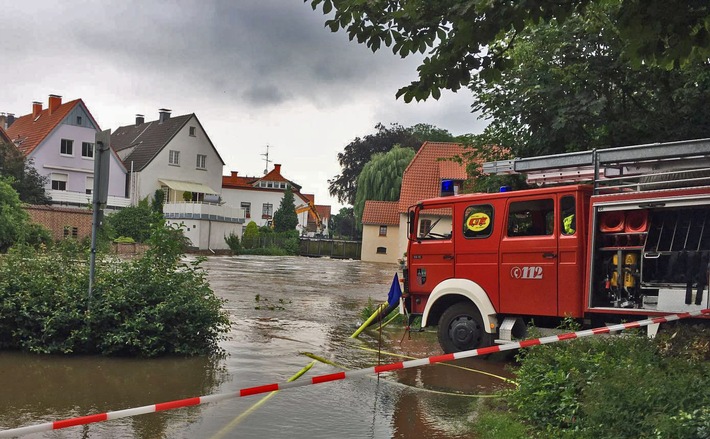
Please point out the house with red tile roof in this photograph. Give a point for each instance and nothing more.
(176, 156)
(261, 196)
(431, 173)
(59, 140)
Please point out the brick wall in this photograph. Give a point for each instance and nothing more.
(62, 221)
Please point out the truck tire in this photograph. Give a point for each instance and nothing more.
(461, 328)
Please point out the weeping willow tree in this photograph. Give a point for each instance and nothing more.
(381, 177)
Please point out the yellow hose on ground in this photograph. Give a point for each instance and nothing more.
(395, 383)
(369, 320)
(392, 354)
(222, 433)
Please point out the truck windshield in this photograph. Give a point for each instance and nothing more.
(434, 223)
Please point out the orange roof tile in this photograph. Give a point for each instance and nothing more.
(28, 132)
(422, 178)
(380, 212)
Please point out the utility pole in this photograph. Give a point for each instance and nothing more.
(102, 155)
(266, 167)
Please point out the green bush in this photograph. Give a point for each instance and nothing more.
(233, 243)
(615, 387)
(151, 306)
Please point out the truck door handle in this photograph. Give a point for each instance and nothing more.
(449, 257)
(549, 255)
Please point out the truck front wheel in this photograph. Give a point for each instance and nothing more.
(461, 328)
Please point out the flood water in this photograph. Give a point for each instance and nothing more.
(281, 308)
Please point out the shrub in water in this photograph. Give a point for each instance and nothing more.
(150, 306)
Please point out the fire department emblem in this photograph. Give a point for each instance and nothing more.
(478, 221)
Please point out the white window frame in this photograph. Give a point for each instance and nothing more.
(89, 185)
(58, 178)
(90, 150)
(66, 144)
(247, 209)
(174, 158)
(201, 161)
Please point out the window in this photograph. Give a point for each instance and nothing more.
(89, 185)
(67, 147)
(201, 161)
(383, 230)
(435, 223)
(78, 120)
(247, 209)
(568, 223)
(267, 211)
(381, 250)
(70, 231)
(282, 185)
(269, 184)
(531, 218)
(424, 227)
(192, 131)
(59, 182)
(87, 150)
(478, 221)
(174, 158)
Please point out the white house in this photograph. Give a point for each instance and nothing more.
(60, 140)
(175, 155)
(260, 197)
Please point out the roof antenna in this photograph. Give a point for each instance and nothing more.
(266, 159)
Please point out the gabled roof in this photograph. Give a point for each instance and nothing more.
(233, 181)
(323, 210)
(422, 178)
(27, 132)
(380, 213)
(274, 175)
(149, 138)
(4, 137)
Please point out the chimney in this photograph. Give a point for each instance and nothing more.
(234, 174)
(54, 102)
(277, 168)
(10, 119)
(164, 114)
(140, 119)
(36, 109)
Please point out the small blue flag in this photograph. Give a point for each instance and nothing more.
(395, 292)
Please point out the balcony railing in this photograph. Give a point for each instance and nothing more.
(83, 199)
(205, 211)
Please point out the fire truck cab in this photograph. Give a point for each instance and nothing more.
(633, 241)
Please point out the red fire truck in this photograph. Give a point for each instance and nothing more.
(632, 241)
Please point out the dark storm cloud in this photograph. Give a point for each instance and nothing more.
(265, 52)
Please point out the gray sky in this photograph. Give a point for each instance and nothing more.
(255, 72)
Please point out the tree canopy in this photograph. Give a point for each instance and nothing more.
(24, 177)
(465, 36)
(13, 219)
(569, 88)
(360, 151)
(381, 178)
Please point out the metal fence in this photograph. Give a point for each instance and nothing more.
(330, 247)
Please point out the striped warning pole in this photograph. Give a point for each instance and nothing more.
(56, 425)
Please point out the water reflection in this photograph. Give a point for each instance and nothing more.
(39, 388)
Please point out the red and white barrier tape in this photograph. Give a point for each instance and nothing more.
(56, 425)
